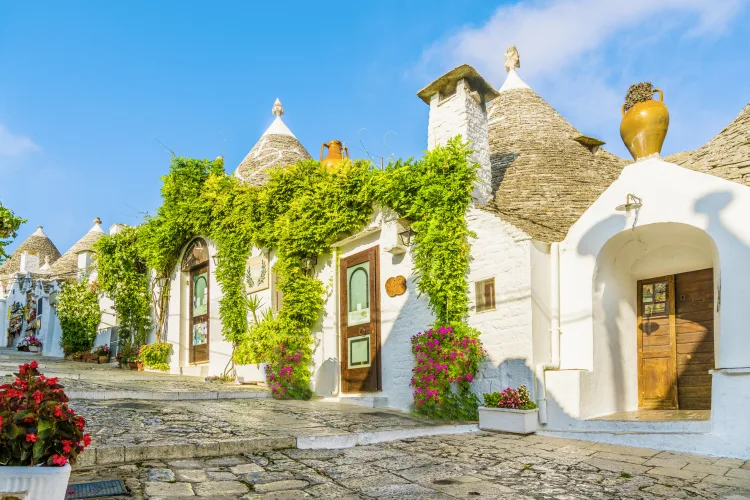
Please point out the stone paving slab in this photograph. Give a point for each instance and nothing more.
(440, 467)
(130, 431)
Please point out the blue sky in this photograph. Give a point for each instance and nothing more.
(86, 88)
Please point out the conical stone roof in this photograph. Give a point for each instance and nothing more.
(66, 267)
(277, 146)
(727, 155)
(542, 178)
(37, 243)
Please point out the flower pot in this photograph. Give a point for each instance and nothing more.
(132, 365)
(69, 357)
(508, 420)
(644, 127)
(23, 348)
(50, 483)
(77, 357)
(33, 348)
(139, 365)
(103, 359)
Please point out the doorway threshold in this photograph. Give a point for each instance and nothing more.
(658, 416)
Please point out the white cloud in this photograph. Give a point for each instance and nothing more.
(13, 144)
(551, 35)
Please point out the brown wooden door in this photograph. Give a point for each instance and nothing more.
(657, 356)
(199, 313)
(360, 322)
(694, 322)
(676, 341)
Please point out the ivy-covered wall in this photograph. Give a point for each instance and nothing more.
(298, 214)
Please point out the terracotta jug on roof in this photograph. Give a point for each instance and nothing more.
(644, 125)
(336, 153)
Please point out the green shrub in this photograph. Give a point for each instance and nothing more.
(155, 355)
(78, 310)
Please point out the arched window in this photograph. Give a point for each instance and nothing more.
(195, 255)
(359, 289)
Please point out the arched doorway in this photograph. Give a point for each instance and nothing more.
(195, 265)
(655, 320)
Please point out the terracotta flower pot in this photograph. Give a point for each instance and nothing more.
(103, 359)
(132, 365)
(644, 127)
(140, 366)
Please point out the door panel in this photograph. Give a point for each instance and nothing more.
(694, 298)
(676, 341)
(657, 387)
(360, 322)
(199, 314)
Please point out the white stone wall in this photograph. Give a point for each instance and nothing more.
(502, 251)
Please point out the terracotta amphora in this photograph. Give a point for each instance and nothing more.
(644, 127)
(336, 153)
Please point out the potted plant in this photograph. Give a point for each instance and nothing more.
(32, 343)
(509, 410)
(102, 352)
(155, 356)
(40, 436)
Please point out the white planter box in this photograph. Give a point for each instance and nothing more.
(32, 483)
(507, 420)
(33, 348)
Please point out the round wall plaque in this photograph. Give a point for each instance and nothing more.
(395, 286)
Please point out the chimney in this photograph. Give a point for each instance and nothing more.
(458, 106)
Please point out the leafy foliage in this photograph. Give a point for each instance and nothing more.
(36, 425)
(155, 355)
(124, 276)
(79, 314)
(447, 361)
(9, 224)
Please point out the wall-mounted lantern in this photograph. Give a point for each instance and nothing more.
(407, 236)
(309, 263)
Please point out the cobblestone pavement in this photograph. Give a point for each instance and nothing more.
(124, 422)
(87, 378)
(460, 466)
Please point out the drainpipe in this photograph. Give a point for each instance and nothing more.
(336, 322)
(554, 363)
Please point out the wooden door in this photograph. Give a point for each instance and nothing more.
(657, 355)
(694, 321)
(360, 322)
(199, 311)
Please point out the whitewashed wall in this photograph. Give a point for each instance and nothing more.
(503, 252)
(592, 380)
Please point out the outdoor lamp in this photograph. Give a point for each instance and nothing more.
(309, 262)
(407, 237)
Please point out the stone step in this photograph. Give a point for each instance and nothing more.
(166, 396)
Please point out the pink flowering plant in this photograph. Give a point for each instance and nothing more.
(37, 427)
(510, 398)
(447, 361)
(31, 340)
(285, 374)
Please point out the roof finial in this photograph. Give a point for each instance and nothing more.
(512, 59)
(97, 221)
(278, 109)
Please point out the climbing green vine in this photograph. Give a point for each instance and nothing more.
(124, 276)
(78, 310)
(297, 215)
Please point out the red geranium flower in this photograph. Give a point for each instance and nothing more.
(31, 438)
(66, 445)
(58, 412)
(59, 460)
(86, 439)
(38, 395)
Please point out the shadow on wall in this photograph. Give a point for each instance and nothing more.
(509, 373)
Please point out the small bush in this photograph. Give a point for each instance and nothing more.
(510, 398)
(155, 355)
